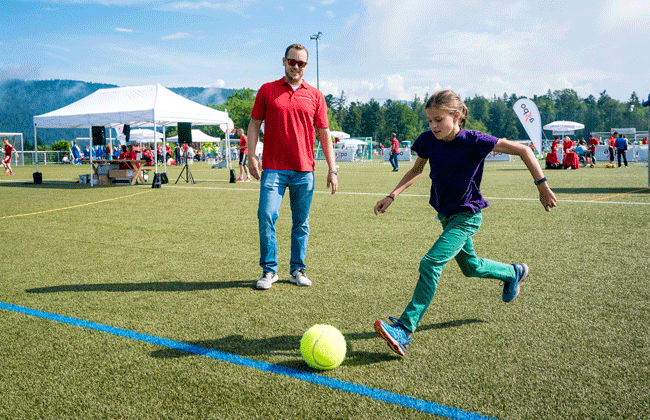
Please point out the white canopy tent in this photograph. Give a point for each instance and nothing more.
(144, 135)
(352, 142)
(339, 134)
(137, 106)
(198, 136)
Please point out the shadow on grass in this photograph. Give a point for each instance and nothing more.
(286, 345)
(162, 286)
(601, 190)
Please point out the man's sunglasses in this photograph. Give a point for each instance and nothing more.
(293, 62)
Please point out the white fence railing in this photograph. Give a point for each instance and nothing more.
(44, 157)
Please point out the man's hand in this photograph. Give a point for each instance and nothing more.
(333, 181)
(254, 167)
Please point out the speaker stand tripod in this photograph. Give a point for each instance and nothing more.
(188, 174)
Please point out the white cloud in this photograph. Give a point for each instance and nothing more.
(123, 30)
(60, 57)
(616, 14)
(56, 47)
(239, 7)
(383, 31)
(253, 43)
(387, 86)
(177, 35)
(27, 71)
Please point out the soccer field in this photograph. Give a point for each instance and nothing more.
(127, 302)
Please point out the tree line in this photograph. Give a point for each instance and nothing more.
(494, 116)
(21, 100)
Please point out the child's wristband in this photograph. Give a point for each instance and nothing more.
(539, 181)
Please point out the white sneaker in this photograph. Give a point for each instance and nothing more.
(266, 281)
(299, 278)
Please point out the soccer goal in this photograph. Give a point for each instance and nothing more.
(16, 140)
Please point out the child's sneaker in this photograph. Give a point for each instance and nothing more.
(511, 288)
(240, 179)
(299, 278)
(266, 281)
(248, 179)
(397, 337)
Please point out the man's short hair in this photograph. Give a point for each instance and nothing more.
(296, 47)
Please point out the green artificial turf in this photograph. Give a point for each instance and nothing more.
(181, 262)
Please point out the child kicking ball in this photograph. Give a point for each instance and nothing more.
(456, 157)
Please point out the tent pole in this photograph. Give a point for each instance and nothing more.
(35, 149)
(155, 146)
(90, 134)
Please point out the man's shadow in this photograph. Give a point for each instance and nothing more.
(286, 346)
(154, 286)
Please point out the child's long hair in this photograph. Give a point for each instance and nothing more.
(448, 100)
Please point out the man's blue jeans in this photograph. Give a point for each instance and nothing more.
(393, 160)
(301, 190)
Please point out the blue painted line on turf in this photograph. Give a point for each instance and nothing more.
(337, 384)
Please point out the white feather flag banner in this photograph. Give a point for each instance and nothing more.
(528, 114)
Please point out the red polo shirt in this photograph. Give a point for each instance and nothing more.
(289, 118)
(394, 147)
(242, 144)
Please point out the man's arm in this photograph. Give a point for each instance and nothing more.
(253, 137)
(328, 151)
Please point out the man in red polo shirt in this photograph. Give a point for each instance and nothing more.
(394, 152)
(290, 109)
(243, 152)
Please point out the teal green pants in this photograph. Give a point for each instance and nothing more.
(455, 241)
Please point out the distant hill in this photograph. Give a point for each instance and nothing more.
(20, 100)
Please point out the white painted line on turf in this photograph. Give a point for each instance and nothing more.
(336, 384)
(339, 192)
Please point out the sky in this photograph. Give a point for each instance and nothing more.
(367, 49)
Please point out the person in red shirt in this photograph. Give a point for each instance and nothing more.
(131, 154)
(185, 147)
(593, 143)
(123, 156)
(394, 152)
(290, 109)
(9, 151)
(612, 141)
(552, 159)
(645, 140)
(146, 155)
(243, 152)
(567, 145)
(570, 157)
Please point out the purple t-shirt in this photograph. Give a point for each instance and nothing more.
(456, 169)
